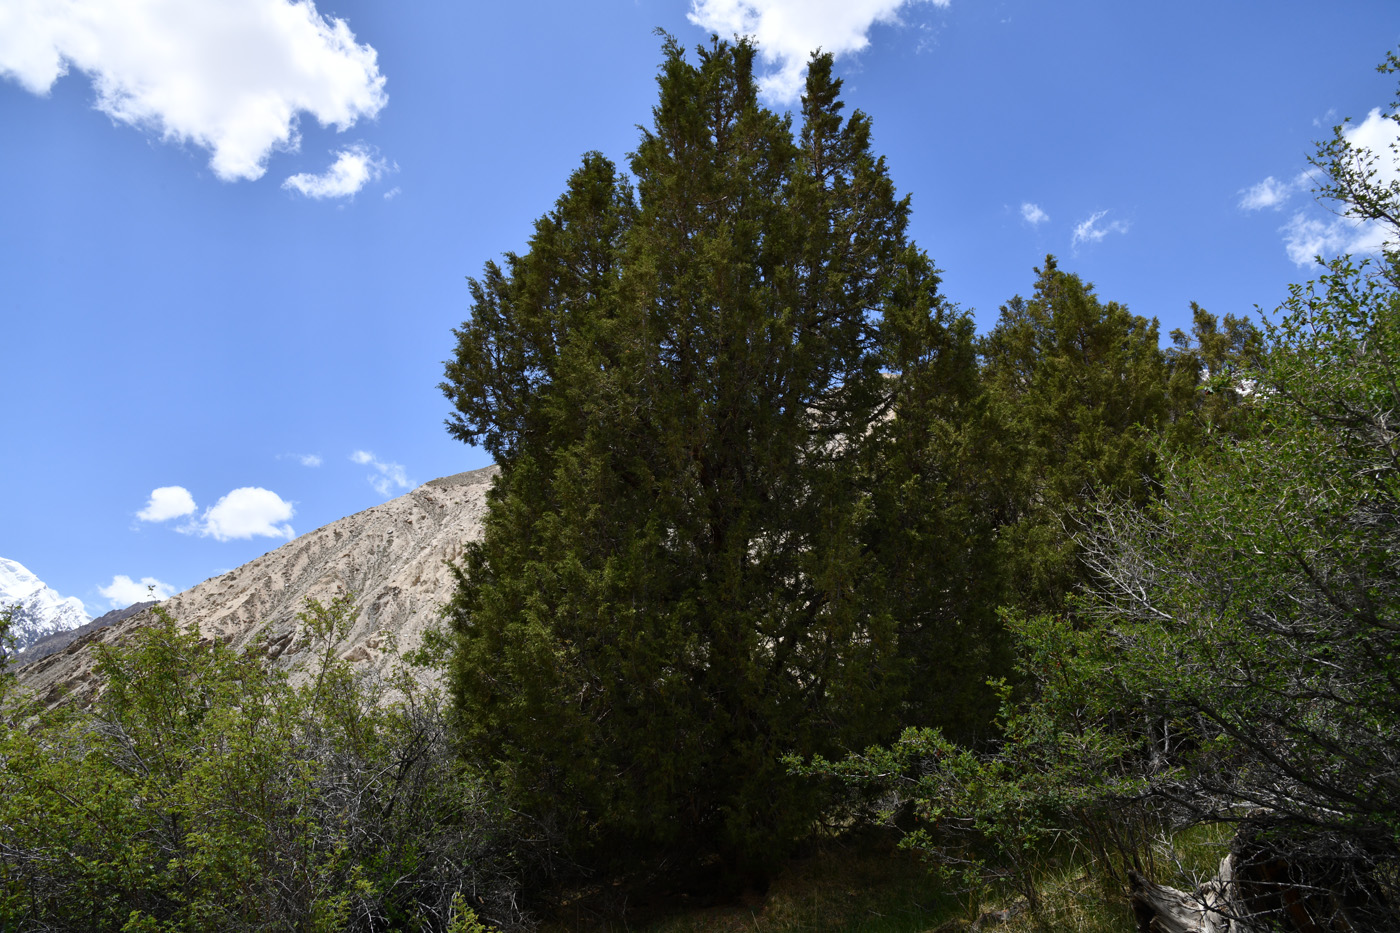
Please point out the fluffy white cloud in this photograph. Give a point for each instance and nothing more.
(1033, 214)
(1380, 135)
(247, 512)
(1090, 230)
(310, 460)
(386, 476)
(166, 503)
(788, 31)
(231, 76)
(124, 591)
(354, 167)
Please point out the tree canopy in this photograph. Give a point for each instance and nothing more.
(677, 582)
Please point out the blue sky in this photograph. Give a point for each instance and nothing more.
(234, 235)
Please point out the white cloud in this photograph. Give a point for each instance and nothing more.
(354, 167)
(1327, 119)
(306, 460)
(387, 476)
(166, 503)
(1090, 232)
(231, 76)
(1274, 193)
(247, 512)
(392, 193)
(1378, 134)
(1033, 214)
(1306, 238)
(1310, 234)
(1268, 193)
(788, 31)
(124, 591)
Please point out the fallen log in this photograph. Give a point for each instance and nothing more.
(1211, 908)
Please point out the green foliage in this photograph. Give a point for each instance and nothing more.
(1212, 370)
(206, 791)
(7, 651)
(684, 572)
(464, 918)
(1053, 785)
(1230, 658)
(1256, 608)
(932, 533)
(1261, 600)
(1078, 396)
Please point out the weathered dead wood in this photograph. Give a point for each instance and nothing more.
(1212, 908)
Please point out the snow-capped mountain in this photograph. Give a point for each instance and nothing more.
(39, 611)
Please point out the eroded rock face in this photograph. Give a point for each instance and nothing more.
(393, 557)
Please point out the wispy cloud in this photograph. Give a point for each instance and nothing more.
(1306, 237)
(386, 477)
(788, 31)
(1093, 230)
(166, 503)
(1313, 232)
(1032, 214)
(1268, 193)
(354, 167)
(306, 460)
(125, 591)
(232, 78)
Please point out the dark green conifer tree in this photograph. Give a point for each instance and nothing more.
(678, 581)
(1078, 396)
(1213, 371)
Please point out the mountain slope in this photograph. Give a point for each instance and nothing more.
(39, 611)
(392, 557)
(50, 644)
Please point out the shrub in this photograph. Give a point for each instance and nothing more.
(205, 790)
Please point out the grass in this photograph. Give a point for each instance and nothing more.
(1195, 853)
(1075, 898)
(852, 886)
(869, 886)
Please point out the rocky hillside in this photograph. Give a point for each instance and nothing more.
(392, 557)
(51, 644)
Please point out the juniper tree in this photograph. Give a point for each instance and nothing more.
(678, 580)
(1078, 395)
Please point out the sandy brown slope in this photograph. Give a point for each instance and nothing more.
(393, 557)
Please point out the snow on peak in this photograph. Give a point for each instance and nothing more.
(16, 582)
(39, 611)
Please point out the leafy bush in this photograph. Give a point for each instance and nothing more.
(1059, 784)
(206, 791)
